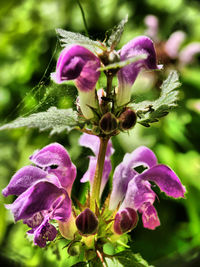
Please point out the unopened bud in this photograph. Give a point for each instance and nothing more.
(127, 119)
(87, 222)
(125, 220)
(108, 123)
(113, 57)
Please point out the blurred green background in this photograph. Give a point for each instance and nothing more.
(28, 51)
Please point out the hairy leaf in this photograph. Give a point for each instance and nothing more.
(123, 63)
(116, 33)
(126, 259)
(67, 38)
(55, 120)
(150, 111)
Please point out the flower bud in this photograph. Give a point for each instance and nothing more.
(127, 119)
(108, 123)
(125, 220)
(87, 222)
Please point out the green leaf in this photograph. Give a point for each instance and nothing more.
(109, 249)
(56, 120)
(67, 38)
(116, 33)
(150, 111)
(123, 63)
(126, 259)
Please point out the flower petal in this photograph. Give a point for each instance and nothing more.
(56, 155)
(140, 156)
(124, 172)
(121, 177)
(43, 196)
(187, 54)
(77, 62)
(23, 179)
(166, 179)
(53, 154)
(93, 142)
(45, 232)
(35, 220)
(89, 175)
(138, 193)
(152, 24)
(173, 43)
(149, 216)
(127, 75)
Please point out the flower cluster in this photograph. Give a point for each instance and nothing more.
(81, 65)
(44, 190)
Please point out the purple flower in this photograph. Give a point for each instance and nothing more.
(152, 26)
(79, 64)
(43, 192)
(127, 75)
(133, 190)
(188, 53)
(93, 142)
(170, 49)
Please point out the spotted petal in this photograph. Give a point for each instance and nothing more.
(55, 155)
(149, 216)
(45, 232)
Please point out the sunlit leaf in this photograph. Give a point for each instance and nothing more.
(150, 111)
(55, 120)
(67, 38)
(116, 33)
(126, 259)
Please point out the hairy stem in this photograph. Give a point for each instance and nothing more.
(98, 173)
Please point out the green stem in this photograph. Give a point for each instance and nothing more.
(83, 16)
(98, 173)
(109, 85)
(105, 104)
